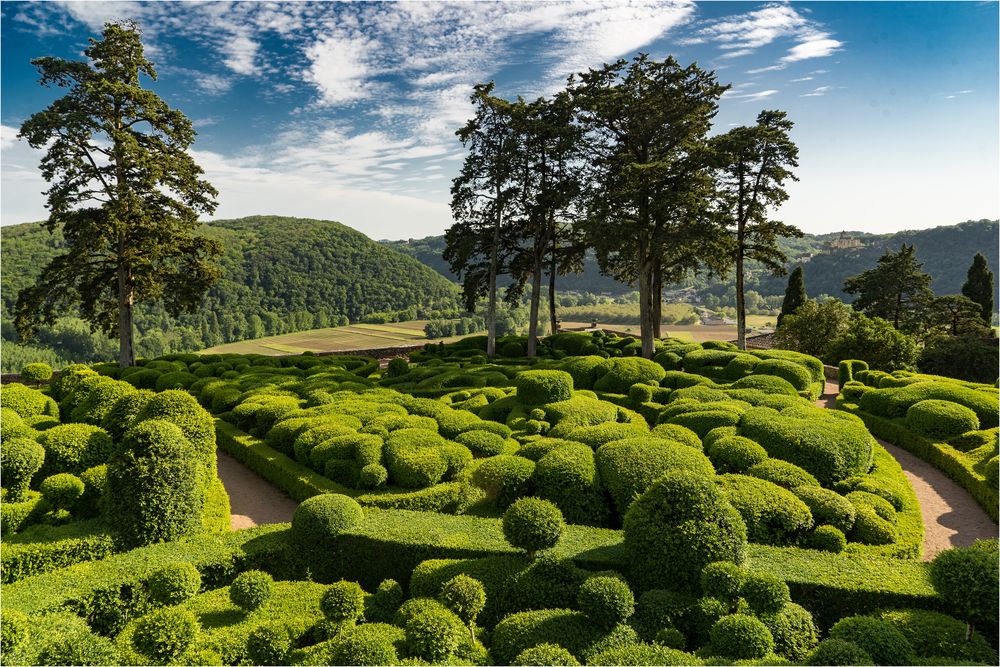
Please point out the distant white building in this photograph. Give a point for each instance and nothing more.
(844, 242)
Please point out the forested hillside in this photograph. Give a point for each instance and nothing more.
(280, 275)
(945, 251)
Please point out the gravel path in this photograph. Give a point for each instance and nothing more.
(951, 517)
(253, 501)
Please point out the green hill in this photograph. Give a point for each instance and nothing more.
(946, 252)
(280, 275)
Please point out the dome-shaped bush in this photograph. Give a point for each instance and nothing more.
(122, 414)
(182, 409)
(251, 589)
(174, 583)
(465, 596)
(78, 648)
(36, 373)
(27, 402)
(838, 652)
(373, 476)
(540, 387)
(677, 527)
(782, 473)
(723, 580)
(773, 515)
(269, 644)
(481, 442)
(165, 634)
(770, 384)
(941, 420)
(97, 404)
(628, 467)
(343, 601)
(74, 447)
(870, 528)
(967, 580)
(885, 644)
(532, 524)
(385, 601)
(20, 459)
(369, 644)
(734, 453)
(434, 634)
(765, 593)
(15, 628)
(794, 631)
(796, 375)
(318, 520)
(505, 478)
(677, 433)
(827, 538)
(62, 491)
(544, 655)
(567, 476)
(932, 633)
(741, 637)
(606, 601)
(620, 374)
(584, 370)
(827, 507)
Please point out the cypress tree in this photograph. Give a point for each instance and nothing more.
(979, 286)
(795, 294)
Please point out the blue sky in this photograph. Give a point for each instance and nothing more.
(348, 111)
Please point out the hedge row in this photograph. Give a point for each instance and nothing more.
(45, 548)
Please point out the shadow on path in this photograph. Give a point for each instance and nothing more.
(253, 501)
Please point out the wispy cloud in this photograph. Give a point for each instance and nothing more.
(750, 97)
(818, 92)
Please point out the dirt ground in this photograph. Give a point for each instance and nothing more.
(253, 501)
(951, 517)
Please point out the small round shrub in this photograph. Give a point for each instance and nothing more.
(269, 644)
(318, 520)
(369, 644)
(27, 402)
(532, 524)
(373, 476)
(505, 478)
(540, 387)
(870, 528)
(174, 583)
(723, 580)
(483, 443)
(465, 596)
(36, 373)
(734, 453)
(398, 366)
(991, 471)
(20, 459)
(74, 447)
(545, 654)
(827, 538)
(182, 409)
(640, 393)
(677, 527)
(433, 634)
(838, 652)
(885, 644)
(741, 637)
(251, 589)
(607, 601)
(827, 507)
(641, 654)
(623, 373)
(932, 633)
(794, 631)
(568, 477)
(165, 634)
(511, 349)
(15, 627)
(782, 473)
(796, 375)
(343, 601)
(124, 411)
(765, 593)
(670, 637)
(941, 420)
(967, 580)
(62, 491)
(677, 433)
(79, 648)
(773, 515)
(384, 601)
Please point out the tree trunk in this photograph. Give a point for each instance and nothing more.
(657, 299)
(645, 299)
(491, 309)
(552, 288)
(536, 297)
(126, 342)
(741, 315)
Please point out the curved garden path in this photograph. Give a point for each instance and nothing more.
(253, 501)
(951, 517)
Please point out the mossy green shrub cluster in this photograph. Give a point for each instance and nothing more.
(949, 423)
(105, 468)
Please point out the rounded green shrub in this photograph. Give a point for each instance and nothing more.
(373, 476)
(318, 520)
(13, 426)
(532, 524)
(677, 433)
(20, 459)
(567, 476)
(154, 491)
(369, 644)
(396, 367)
(182, 409)
(546, 654)
(967, 581)
(880, 505)
(765, 593)
(36, 373)
(885, 644)
(269, 644)
(584, 370)
(870, 528)
(95, 406)
(465, 596)
(642, 654)
(68, 378)
(512, 349)
(941, 420)
(434, 634)
(606, 601)
(620, 374)
(794, 631)
(839, 652)
(73, 448)
(723, 580)
(384, 601)
(165, 634)
(770, 384)
(827, 507)
(343, 601)
(628, 467)
(78, 648)
(415, 467)
(796, 375)
(520, 631)
(702, 421)
(827, 538)
(251, 589)
(772, 514)
(677, 527)
(540, 387)
(992, 471)
(174, 583)
(124, 411)
(15, 628)
(483, 443)
(734, 453)
(933, 634)
(741, 637)
(505, 478)
(782, 473)
(62, 491)
(670, 637)
(27, 402)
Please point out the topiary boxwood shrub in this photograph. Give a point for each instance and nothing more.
(734, 453)
(794, 631)
(62, 491)
(677, 527)
(606, 601)
(505, 478)
(569, 629)
(741, 637)
(567, 477)
(433, 633)
(933, 634)
(773, 515)
(782, 473)
(617, 375)
(940, 420)
(174, 583)
(20, 459)
(547, 654)
(643, 654)
(165, 634)
(540, 387)
(36, 373)
(367, 644)
(885, 644)
(251, 589)
(27, 402)
(765, 593)
(269, 644)
(73, 448)
(628, 467)
(827, 507)
(124, 411)
(838, 652)
(182, 409)
(318, 520)
(967, 580)
(798, 376)
(532, 524)
(343, 602)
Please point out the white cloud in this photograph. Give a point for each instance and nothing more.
(241, 54)
(339, 69)
(750, 97)
(819, 45)
(818, 92)
(803, 78)
(213, 84)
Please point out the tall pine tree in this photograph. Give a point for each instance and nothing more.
(795, 294)
(979, 287)
(896, 290)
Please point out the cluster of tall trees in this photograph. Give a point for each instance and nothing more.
(897, 321)
(620, 162)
